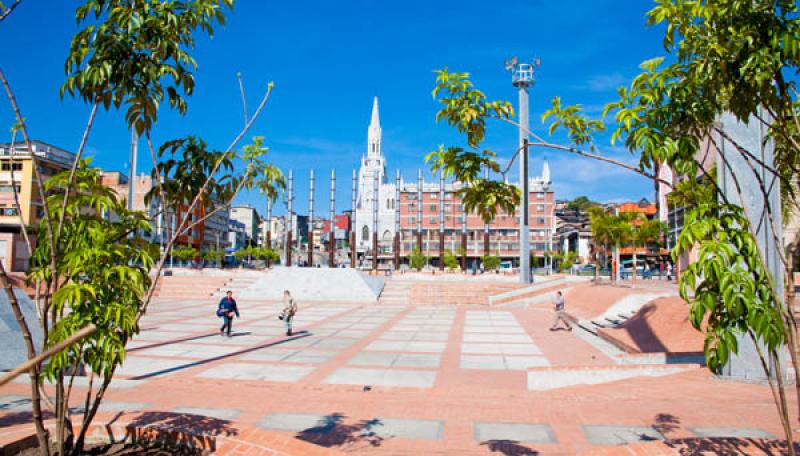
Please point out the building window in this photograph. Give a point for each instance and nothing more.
(540, 195)
(434, 220)
(6, 166)
(364, 232)
(10, 211)
(434, 207)
(540, 208)
(540, 220)
(8, 188)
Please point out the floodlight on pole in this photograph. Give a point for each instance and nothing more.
(522, 77)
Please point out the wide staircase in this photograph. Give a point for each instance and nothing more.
(190, 286)
(457, 293)
(236, 284)
(396, 293)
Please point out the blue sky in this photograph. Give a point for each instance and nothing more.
(328, 59)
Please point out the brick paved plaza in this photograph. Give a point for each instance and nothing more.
(397, 378)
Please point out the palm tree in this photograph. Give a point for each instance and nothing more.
(644, 232)
(602, 232)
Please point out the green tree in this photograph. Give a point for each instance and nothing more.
(581, 203)
(185, 254)
(644, 233)
(214, 256)
(417, 259)
(602, 234)
(131, 56)
(490, 262)
(450, 261)
(104, 273)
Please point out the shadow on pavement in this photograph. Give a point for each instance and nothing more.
(729, 446)
(195, 424)
(221, 357)
(509, 448)
(331, 431)
(666, 423)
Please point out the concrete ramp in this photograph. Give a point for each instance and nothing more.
(12, 346)
(315, 284)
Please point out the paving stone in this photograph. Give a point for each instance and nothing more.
(482, 362)
(481, 348)
(138, 366)
(310, 357)
(15, 403)
(373, 359)
(553, 379)
(393, 346)
(525, 362)
(405, 429)
(397, 335)
(220, 414)
(116, 406)
(619, 435)
(731, 432)
(354, 333)
(520, 349)
(268, 354)
(426, 347)
(337, 344)
(439, 336)
(514, 432)
(417, 360)
(295, 422)
(381, 377)
(265, 372)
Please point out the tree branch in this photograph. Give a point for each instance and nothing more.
(244, 99)
(75, 162)
(542, 143)
(174, 237)
(9, 10)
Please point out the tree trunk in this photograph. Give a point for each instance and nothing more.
(633, 266)
(616, 269)
(36, 403)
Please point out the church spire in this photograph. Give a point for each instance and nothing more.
(376, 121)
(374, 132)
(546, 172)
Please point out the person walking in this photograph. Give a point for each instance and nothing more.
(288, 312)
(227, 309)
(560, 314)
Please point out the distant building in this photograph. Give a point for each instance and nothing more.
(237, 235)
(16, 174)
(209, 233)
(651, 212)
(277, 227)
(503, 230)
(251, 220)
(573, 233)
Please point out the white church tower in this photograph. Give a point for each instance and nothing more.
(373, 168)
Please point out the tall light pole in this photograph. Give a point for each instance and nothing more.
(132, 180)
(441, 220)
(289, 199)
(311, 220)
(522, 79)
(419, 211)
(375, 202)
(397, 222)
(353, 225)
(332, 226)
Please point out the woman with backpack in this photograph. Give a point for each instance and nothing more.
(288, 312)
